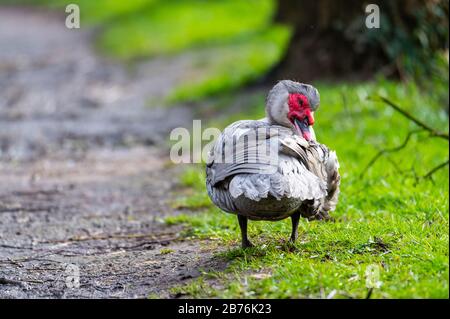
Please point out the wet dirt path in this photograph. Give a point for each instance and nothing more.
(84, 174)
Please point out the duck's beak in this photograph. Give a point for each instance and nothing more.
(302, 128)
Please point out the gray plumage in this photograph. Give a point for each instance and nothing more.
(263, 170)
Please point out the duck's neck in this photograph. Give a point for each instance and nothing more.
(271, 122)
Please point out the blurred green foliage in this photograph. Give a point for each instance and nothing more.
(385, 219)
(229, 66)
(415, 40)
(170, 26)
(235, 42)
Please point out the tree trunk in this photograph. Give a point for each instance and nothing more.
(330, 38)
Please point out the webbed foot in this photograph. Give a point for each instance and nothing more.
(243, 225)
(247, 244)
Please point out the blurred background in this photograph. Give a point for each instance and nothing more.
(97, 102)
(244, 42)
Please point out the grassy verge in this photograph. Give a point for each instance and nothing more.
(172, 26)
(233, 42)
(226, 67)
(386, 222)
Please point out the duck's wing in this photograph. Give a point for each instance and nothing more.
(324, 163)
(240, 149)
(281, 169)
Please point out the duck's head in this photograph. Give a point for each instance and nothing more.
(292, 104)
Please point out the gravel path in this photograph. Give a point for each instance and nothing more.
(84, 176)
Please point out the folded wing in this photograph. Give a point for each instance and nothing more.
(255, 160)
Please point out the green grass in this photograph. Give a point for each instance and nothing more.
(233, 42)
(385, 219)
(226, 67)
(172, 26)
(166, 251)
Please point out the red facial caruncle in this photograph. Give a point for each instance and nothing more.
(300, 114)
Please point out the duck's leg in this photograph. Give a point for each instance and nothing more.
(295, 218)
(243, 225)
